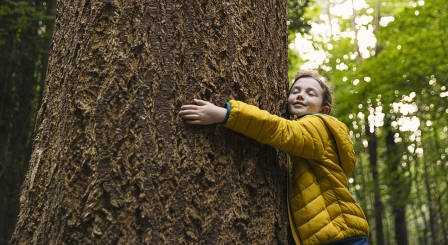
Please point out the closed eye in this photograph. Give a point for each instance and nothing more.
(295, 91)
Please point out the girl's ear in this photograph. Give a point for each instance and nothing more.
(325, 110)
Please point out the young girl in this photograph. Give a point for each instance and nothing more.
(321, 209)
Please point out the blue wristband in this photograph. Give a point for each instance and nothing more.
(227, 106)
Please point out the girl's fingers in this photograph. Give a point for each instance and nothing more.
(191, 116)
(194, 122)
(201, 102)
(188, 115)
(188, 111)
(189, 107)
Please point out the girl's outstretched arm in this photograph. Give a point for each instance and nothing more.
(203, 113)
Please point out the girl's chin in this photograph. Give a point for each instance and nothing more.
(298, 112)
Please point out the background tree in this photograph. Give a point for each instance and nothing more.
(113, 163)
(22, 33)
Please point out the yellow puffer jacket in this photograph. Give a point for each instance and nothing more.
(321, 209)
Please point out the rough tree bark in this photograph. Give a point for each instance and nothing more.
(112, 163)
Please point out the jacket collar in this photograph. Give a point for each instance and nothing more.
(295, 117)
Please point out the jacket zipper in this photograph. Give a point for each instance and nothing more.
(290, 213)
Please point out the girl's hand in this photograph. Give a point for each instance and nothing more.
(203, 113)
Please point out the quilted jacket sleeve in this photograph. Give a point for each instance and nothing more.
(304, 138)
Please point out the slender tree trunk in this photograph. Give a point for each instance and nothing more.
(432, 194)
(377, 25)
(444, 235)
(399, 187)
(378, 205)
(355, 30)
(421, 234)
(329, 16)
(430, 202)
(112, 162)
(421, 221)
(362, 171)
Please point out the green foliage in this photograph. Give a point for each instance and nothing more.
(297, 20)
(19, 15)
(294, 62)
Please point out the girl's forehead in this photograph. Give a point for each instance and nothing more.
(307, 82)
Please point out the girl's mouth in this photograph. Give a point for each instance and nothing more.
(298, 104)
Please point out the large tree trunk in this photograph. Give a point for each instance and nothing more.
(112, 163)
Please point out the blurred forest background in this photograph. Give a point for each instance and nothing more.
(386, 59)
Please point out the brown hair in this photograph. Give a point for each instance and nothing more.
(328, 91)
